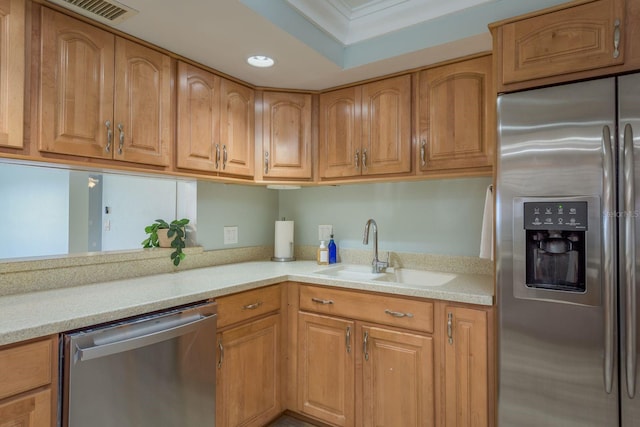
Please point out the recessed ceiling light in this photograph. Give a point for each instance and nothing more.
(260, 61)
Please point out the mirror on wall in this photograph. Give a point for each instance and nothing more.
(49, 211)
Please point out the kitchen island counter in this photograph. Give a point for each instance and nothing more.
(40, 313)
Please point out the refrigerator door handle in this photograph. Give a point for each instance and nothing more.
(629, 259)
(608, 224)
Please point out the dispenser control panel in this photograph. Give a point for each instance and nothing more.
(555, 216)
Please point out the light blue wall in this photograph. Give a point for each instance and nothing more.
(433, 216)
(252, 209)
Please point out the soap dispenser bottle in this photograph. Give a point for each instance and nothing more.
(323, 254)
(333, 251)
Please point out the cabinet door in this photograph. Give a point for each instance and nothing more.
(237, 137)
(198, 146)
(248, 381)
(386, 126)
(143, 132)
(76, 87)
(340, 133)
(456, 116)
(286, 135)
(398, 387)
(31, 410)
(326, 380)
(574, 39)
(12, 71)
(466, 375)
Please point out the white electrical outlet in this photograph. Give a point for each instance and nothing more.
(325, 232)
(230, 235)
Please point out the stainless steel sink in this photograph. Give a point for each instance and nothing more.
(406, 276)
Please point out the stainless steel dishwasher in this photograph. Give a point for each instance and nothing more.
(150, 371)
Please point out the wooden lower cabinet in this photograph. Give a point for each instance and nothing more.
(397, 378)
(353, 373)
(326, 368)
(28, 384)
(248, 379)
(30, 410)
(465, 397)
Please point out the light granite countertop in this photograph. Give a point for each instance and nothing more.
(45, 312)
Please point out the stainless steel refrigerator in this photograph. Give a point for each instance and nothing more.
(567, 253)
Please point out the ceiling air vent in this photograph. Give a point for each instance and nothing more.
(109, 12)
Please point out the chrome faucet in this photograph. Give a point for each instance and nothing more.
(377, 266)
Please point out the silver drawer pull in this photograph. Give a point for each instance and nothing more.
(252, 306)
(397, 313)
(322, 301)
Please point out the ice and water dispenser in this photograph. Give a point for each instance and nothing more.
(553, 244)
(555, 250)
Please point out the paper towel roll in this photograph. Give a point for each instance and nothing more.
(283, 248)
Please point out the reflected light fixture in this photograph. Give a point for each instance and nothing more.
(260, 61)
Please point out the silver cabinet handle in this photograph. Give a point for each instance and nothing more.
(224, 157)
(397, 313)
(423, 152)
(364, 159)
(217, 156)
(348, 339)
(322, 301)
(252, 306)
(266, 162)
(450, 327)
(357, 159)
(616, 38)
(608, 248)
(365, 345)
(220, 354)
(121, 143)
(629, 258)
(109, 136)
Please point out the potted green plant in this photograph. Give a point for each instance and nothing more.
(168, 235)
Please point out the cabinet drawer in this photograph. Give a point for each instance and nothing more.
(238, 307)
(25, 367)
(386, 310)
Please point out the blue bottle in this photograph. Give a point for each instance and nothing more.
(333, 251)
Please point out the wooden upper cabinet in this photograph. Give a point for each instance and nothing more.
(340, 133)
(566, 40)
(76, 87)
(142, 104)
(286, 136)
(237, 136)
(12, 72)
(386, 126)
(366, 129)
(198, 145)
(101, 97)
(455, 116)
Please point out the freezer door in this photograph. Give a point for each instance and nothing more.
(557, 358)
(629, 207)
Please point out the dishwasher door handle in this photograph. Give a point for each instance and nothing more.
(186, 326)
